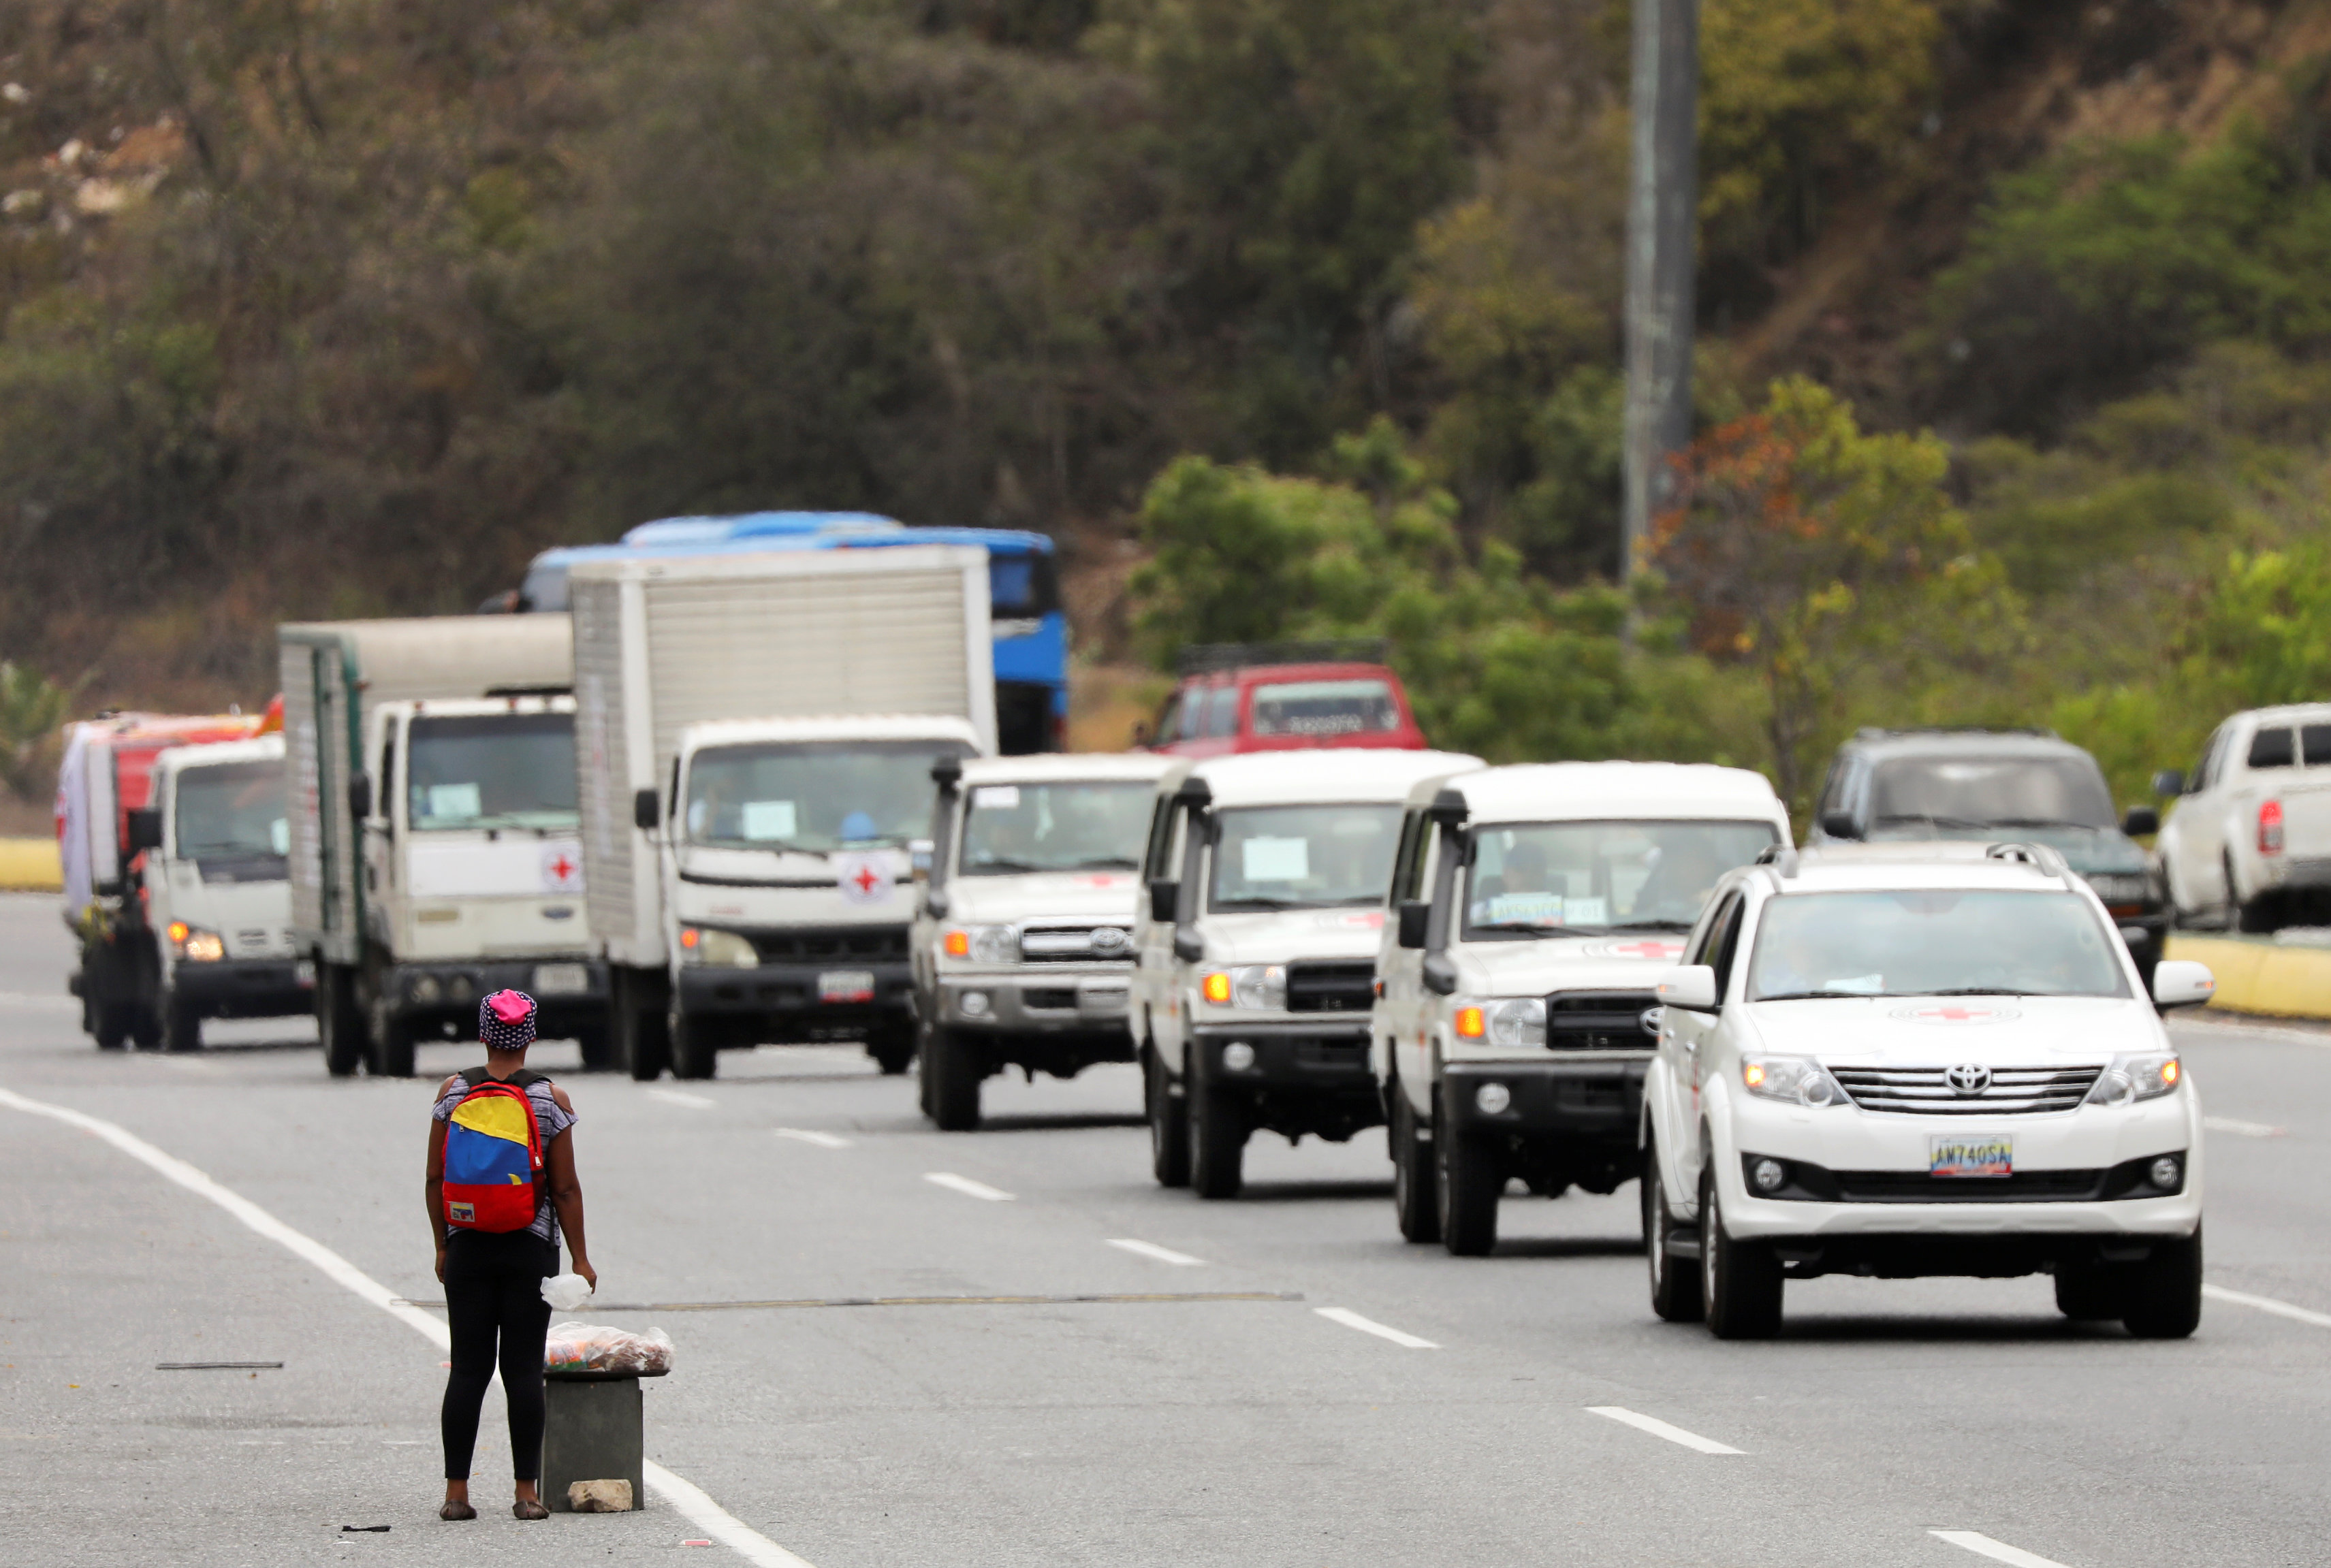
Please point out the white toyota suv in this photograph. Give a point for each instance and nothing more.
(1911, 1060)
(1535, 908)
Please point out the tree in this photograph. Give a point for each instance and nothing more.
(32, 708)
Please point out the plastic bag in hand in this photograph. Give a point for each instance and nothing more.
(566, 1292)
(586, 1347)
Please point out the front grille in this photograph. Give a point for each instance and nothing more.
(1323, 987)
(1924, 1091)
(1345, 1054)
(841, 942)
(1057, 997)
(1075, 943)
(1599, 1021)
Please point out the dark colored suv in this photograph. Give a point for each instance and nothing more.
(2025, 784)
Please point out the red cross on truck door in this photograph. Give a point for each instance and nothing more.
(562, 869)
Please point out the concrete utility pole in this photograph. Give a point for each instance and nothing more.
(1662, 212)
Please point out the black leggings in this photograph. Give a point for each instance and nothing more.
(494, 1287)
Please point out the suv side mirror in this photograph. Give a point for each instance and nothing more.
(1165, 896)
(360, 796)
(647, 810)
(2182, 982)
(1440, 974)
(2140, 820)
(1838, 825)
(1692, 986)
(1416, 915)
(145, 828)
(2169, 783)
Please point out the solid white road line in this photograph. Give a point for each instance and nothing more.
(1351, 1319)
(2268, 1304)
(700, 1510)
(804, 1135)
(967, 1186)
(1162, 1254)
(20, 999)
(1659, 1428)
(2241, 1129)
(676, 1096)
(1997, 1551)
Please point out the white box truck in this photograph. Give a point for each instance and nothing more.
(433, 848)
(756, 736)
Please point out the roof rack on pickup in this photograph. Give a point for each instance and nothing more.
(1207, 658)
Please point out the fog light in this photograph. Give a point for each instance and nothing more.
(1769, 1175)
(2165, 1171)
(426, 989)
(973, 1004)
(1238, 1056)
(1492, 1099)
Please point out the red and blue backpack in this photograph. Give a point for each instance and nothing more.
(493, 1153)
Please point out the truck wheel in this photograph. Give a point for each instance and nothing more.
(182, 1026)
(1217, 1141)
(339, 1022)
(598, 1048)
(1169, 1123)
(1675, 1291)
(642, 1044)
(2092, 1293)
(893, 1051)
(392, 1048)
(145, 1026)
(694, 1053)
(951, 1076)
(2164, 1295)
(109, 1025)
(1415, 1194)
(1466, 1168)
(1740, 1280)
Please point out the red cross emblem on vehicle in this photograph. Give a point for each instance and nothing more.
(562, 868)
(1647, 950)
(561, 871)
(1953, 1012)
(866, 878)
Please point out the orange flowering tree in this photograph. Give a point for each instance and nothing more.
(1799, 544)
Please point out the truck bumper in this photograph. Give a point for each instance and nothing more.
(246, 987)
(795, 994)
(571, 994)
(1058, 1019)
(1593, 1100)
(1299, 1076)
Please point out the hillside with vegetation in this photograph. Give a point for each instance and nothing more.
(1286, 316)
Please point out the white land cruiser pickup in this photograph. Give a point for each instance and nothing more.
(1022, 941)
(1535, 908)
(2247, 843)
(1255, 954)
(1912, 1059)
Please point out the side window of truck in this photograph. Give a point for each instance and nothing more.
(1222, 712)
(384, 803)
(1702, 942)
(1726, 934)
(2205, 770)
(1168, 716)
(1161, 834)
(2271, 748)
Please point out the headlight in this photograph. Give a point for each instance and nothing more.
(2131, 1078)
(425, 989)
(713, 949)
(1257, 987)
(193, 944)
(2121, 888)
(1517, 1023)
(1798, 1080)
(981, 944)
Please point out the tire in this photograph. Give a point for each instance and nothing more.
(340, 1025)
(392, 1045)
(2094, 1293)
(598, 1044)
(893, 1051)
(2164, 1294)
(694, 1053)
(1740, 1282)
(182, 1026)
(145, 1026)
(1415, 1183)
(1169, 1123)
(1217, 1141)
(951, 1076)
(1468, 1184)
(110, 1025)
(643, 1043)
(1675, 1292)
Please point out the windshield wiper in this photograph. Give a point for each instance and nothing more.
(1006, 863)
(1651, 926)
(1819, 995)
(1534, 928)
(1100, 862)
(1984, 991)
(1933, 821)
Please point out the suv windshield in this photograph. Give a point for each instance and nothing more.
(1941, 943)
(492, 770)
(1991, 792)
(1317, 707)
(1546, 877)
(812, 796)
(1085, 826)
(1303, 856)
(231, 809)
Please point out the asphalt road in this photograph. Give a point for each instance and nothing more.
(1166, 1431)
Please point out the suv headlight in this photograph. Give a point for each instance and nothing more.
(2131, 1078)
(981, 944)
(1255, 987)
(193, 944)
(1798, 1079)
(1519, 1022)
(714, 949)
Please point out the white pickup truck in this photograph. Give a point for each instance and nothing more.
(1023, 941)
(1535, 908)
(2247, 843)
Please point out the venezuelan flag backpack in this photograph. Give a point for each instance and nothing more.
(493, 1153)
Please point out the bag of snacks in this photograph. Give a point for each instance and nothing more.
(587, 1347)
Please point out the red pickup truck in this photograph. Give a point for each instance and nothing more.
(1235, 697)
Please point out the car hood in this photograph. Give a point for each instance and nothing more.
(2087, 851)
(1276, 937)
(1044, 895)
(1630, 961)
(1928, 1032)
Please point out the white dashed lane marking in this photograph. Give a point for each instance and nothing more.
(805, 1135)
(1997, 1551)
(967, 1186)
(1351, 1319)
(1659, 1428)
(2268, 1304)
(676, 1096)
(1152, 1250)
(2241, 1129)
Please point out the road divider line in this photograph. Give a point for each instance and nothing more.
(676, 1096)
(683, 1496)
(1997, 1551)
(1161, 1254)
(967, 1186)
(1351, 1319)
(805, 1135)
(2239, 1129)
(1659, 1428)
(2268, 1304)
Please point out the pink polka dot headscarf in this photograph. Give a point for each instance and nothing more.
(506, 1020)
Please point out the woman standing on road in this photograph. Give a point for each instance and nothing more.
(493, 1276)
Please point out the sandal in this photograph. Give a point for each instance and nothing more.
(528, 1508)
(456, 1511)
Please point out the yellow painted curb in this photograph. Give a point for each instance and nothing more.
(31, 866)
(2262, 977)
